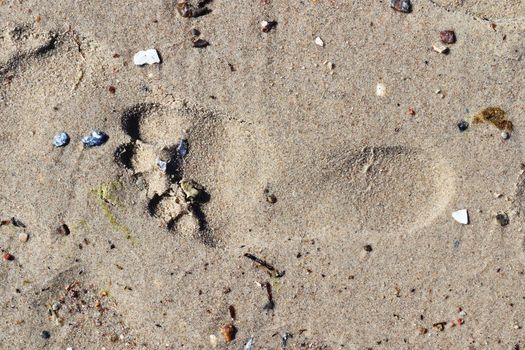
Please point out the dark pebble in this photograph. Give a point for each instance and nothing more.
(502, 219)
(200, 43)
(368, 248)
(45, 335)
(462, 125)
(195, 32)
(447, 36)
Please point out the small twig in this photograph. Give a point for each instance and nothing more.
(272, 270)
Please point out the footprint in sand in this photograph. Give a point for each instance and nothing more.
(177, 186)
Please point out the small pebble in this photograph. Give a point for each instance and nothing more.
(96, 138)
(381, 90)
(447, 36)
(23, 237)
(401, 5)
(163, 165)
(502, 219)
(8, 257)
(200, 43)
(228, 332)
(271, 198)
(149, 56)
(462, 125)
(368, 248)
(182, 148)
(438, 47)
(319, 42)
(45, 335)
(505, 135)
(63, 230)
(61, 140)
(461, 216)
(267, 26)
(195, 32)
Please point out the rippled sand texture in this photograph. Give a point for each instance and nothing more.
(295, 159)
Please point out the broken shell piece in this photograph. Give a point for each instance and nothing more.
(191, 189)
(319, 41)
(447, 36)
(461, 216)
(401, 5)
(381, 90)
(149, 56)
(228, 332)
(438, 47)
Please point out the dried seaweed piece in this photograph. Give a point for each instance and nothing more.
(270, 304)
(494, 115)
(231, 309)
(272, 270)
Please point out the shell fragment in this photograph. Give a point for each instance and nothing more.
(150, 56)
(461, 216)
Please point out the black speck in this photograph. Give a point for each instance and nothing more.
(462, 125)
(45, 335)
(367, 248)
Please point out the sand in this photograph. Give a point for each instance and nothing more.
(292, 157)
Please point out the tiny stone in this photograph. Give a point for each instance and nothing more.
(502, 219)
(267, 26)
(56, 306)
(200, 43)
(61, 140)
(368, 248)
(195, 32)
(45, 335)
(447, 36)
(63, 230)
(319, 42)
(438, 47)
(505, 135)
(401, 5)
(380, 89)
(23, 237)
(271, 198)
(8, 257)
(462, 125)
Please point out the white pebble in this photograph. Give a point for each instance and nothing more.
(150, 56)
(23, 237)
(505, 135)
(319, 41)
(461, 216)
(381, 90)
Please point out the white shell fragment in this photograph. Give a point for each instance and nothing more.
(461, 216)
(438, 47)
(150, 56)
(319, 41)
(381, 90)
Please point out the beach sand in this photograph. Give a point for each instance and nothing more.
(292, 157)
